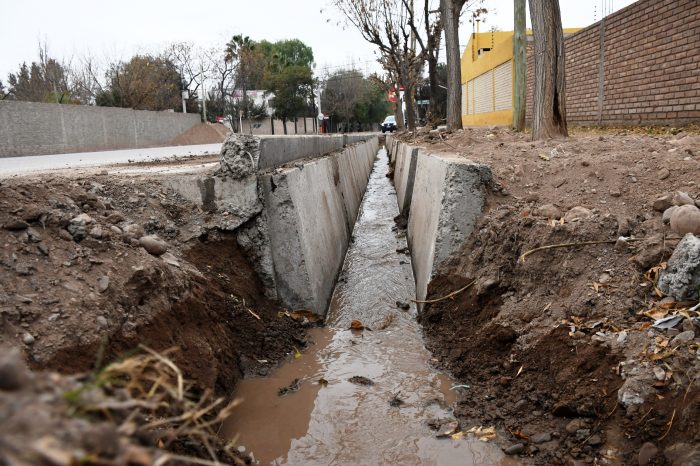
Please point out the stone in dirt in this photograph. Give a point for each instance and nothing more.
(549, 211)
(664, 173)
(686, 219)
(646, 453)
(681, 198)
(13, 373)
(662, 203)
(681, 278)
(133, 231)
(666, 218)
(153, 245)
(15, 224)
(514, 449)
(577, 213)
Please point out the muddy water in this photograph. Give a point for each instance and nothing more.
(344, 423)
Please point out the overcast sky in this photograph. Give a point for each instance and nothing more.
(110, 31)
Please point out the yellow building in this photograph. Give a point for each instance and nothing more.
(487, 78)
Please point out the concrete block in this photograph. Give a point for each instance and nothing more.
(279, 150)
(404, 175)
(447, 201)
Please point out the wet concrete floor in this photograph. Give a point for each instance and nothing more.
(345, 423)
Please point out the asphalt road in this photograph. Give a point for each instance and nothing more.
(10, 166)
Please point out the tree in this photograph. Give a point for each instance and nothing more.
(191, 62)
(392, 25)
(451, 11)
(3, 92)
(249, 66)
(289, 76)
(350, 97)
(519, 66)
(549, 96)
(44, 81)
(143, 83)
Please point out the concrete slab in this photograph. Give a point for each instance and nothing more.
(404, 176)
(447, 198)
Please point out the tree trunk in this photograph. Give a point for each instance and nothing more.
(454, 70)
(409, 96)
(519, 66)
(398, 111)
(433, 85)
(284, 125)
(549, 96)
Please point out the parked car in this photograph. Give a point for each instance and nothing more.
(389, 124)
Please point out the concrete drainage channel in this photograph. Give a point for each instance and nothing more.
(365, 392)
(292, 202)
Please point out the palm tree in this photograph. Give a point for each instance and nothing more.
(236, 46)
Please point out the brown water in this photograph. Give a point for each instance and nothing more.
(343, 423)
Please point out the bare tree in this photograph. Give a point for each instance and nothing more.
(86, 75)
(451, 11)
(191, 62)
(396, 28)
(221, 75)
(549, 96)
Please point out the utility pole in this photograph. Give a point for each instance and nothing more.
(204, 95)
(519, 66)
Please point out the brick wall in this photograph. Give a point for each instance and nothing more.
(650, 71)
(29, 128)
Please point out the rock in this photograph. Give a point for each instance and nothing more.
(683, 454)
(666, 218)
(681, 198)
(170, 259)
(102, 321)
(686, 219)
(577, 213)
(514, 449)
(662, 203)
(548, 211)
(595, 440)
(541, 438)
(78, 226)
(15, 225)
(683, 337)
(575, 425)
(28, 338)
(663, 173)
(681, 278)
(133, 231)
(646, 452)
(83, 218)
(615, 192)
(659, 373)
(116, 230)
(97, 232)
(33, 235)
(102, 283)
(13, 372)
(239, 156)
(44, 249)
(32, 214)
(64, 235)
(153, 245)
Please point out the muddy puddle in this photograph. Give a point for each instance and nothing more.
(329, 416)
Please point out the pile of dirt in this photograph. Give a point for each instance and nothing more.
(558, 347)
(94, 265)
(203, 133)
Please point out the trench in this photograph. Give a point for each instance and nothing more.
(327, 418)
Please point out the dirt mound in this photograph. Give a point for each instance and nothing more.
(203, 133)
(76, 280)
(558, 348)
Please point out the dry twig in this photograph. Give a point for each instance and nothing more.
(454, 293)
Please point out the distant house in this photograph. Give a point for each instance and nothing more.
(487, 78)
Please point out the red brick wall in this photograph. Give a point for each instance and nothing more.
(651, 66)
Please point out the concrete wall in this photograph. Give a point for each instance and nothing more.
(29, 128)
(293, 202)
(448, 195)
(311, 210)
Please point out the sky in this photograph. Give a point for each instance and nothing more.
(115, 31)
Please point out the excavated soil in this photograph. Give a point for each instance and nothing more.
(203, 133)
(76, 295)
(547, 343)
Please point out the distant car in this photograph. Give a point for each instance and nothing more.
(389, 124)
